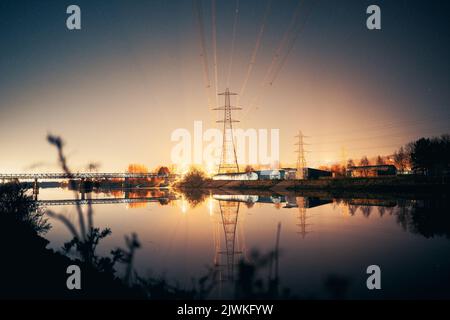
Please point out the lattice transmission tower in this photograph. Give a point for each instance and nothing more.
(228, 161)
(229, 212)
(302, 216)
(301, 160)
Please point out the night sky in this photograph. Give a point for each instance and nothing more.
(116, 89)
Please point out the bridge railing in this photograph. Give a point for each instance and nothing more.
(61, 202)
(86, 175)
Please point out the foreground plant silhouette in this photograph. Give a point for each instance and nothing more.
(17, 207)
(87, 237)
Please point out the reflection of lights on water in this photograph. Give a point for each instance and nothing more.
(184, 205)
(211, 205)
(344, 209)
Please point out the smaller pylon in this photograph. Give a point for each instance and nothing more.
(301, 160)
(344, 157)
(302, 216)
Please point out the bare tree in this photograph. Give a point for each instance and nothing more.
(401, 159)
(380, 160)
(364, 162)
(350, 163)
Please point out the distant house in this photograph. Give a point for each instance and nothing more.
(372, 171)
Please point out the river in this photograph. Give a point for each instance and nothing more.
(317, 246)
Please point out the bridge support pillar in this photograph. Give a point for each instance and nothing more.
(35, 189)
(82, 189)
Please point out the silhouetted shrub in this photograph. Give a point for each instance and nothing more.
(16, 206)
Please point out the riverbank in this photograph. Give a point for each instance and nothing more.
(379, 184)
(31, 270)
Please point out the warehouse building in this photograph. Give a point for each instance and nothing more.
(241, 176)
(277, 174)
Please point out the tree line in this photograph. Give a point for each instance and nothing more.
(425, 156)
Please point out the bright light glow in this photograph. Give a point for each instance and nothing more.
(211, 205)
(344, 210)
(184, 205)
(210, 169)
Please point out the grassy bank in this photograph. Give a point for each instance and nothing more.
(380, 184)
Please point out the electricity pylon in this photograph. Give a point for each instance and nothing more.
(301, 203)
(344, 157)
(301, 161)
(229, 211)
(228, 161)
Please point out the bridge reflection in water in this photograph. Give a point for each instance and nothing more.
(83, 181)
(127, 196)
(102, 201)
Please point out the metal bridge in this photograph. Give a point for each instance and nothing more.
(100, 201)
(85, 175)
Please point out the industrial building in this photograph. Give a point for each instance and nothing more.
(241, 176)
(253, 175)
(276, 174)
(270, 174)
(313, 174)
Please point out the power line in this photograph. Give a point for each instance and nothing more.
(291, 44)
(382, 126)
(376, 147)
(255, 49)
(283, 41)
(214, 44)
(364, 148)
(230, 65)
(198, 12)
(393, 135)
(288, 40)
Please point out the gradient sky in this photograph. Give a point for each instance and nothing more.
(116, 89)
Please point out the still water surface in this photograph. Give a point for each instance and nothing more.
(325, 243)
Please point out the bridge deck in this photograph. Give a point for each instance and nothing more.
(61, 202)
(85, 175)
